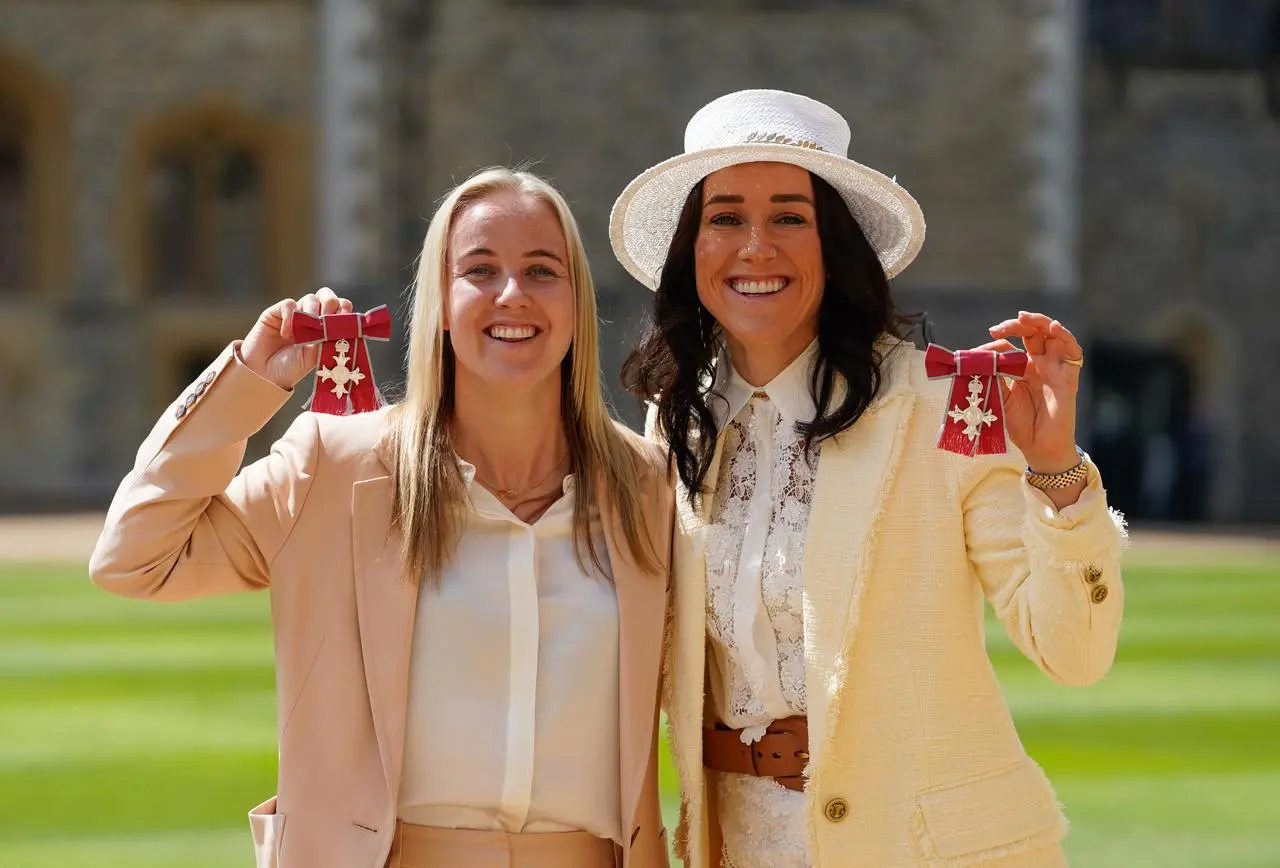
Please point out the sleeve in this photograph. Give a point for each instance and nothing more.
(184, 523)
(1052, 577)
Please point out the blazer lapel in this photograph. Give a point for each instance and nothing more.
(642, 603)
(386, 606)
(854, 478)
(684, 678)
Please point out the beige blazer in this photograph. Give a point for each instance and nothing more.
(914, 760)
(312, 522)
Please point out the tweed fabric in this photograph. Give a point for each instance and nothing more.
(915, 760)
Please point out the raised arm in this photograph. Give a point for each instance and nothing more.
(1048, 558)
(184, 523)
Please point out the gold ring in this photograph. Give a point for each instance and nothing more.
(1079, 363)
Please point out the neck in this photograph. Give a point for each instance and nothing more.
(514, 437)
(758, 365)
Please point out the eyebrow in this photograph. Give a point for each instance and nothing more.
(726, 198)
(539, 252)
(545, 254)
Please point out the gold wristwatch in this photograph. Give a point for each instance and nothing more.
(1065, 479)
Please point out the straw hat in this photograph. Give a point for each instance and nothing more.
(761, 126)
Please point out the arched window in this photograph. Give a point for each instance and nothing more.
(15, 183)
(216, 224)
(33, 165)
(1191, 35)
(205, 232)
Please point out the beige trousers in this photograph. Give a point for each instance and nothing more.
(430, 847)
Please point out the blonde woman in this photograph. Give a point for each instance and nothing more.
(830, 697)
(468, 588)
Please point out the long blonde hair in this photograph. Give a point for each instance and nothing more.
(430, 495)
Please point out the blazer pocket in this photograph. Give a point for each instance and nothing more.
(267, 828)
(987, 817)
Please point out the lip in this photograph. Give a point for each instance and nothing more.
(757, 285)
(512, 326)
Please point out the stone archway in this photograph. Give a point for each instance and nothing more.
(1203, 341)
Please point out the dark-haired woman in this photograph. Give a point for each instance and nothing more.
(830, 698)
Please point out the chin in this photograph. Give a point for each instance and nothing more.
(519, 378)
(754, 334)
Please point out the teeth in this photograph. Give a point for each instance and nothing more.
(758, 287)
(512, 333)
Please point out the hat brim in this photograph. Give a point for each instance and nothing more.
(643, 219)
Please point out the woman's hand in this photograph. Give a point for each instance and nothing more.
(1040, 409)
(269, 351)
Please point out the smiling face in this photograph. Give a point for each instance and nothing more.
(509, 307)
(758, 261)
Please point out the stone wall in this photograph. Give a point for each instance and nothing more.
(1181, 204)
(936, 94)
(116, 68)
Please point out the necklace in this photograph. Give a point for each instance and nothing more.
(518, 493)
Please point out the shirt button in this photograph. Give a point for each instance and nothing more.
(1099, 593)
(837, 810)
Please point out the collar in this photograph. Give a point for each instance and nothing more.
(789, 390)
(488, 505)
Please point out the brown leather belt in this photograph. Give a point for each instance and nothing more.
(781, 754)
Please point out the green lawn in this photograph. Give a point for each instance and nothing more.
(138, 734)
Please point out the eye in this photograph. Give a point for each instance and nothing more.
(541, 271)
(481, 270)
(725, 219)
(791, 220)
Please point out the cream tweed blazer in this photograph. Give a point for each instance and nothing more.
(914, 760)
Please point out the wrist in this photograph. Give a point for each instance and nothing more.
(1067, 476)
(1052, 463)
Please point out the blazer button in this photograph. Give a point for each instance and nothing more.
(1099, 593)
(837, 810)
(1092, 574)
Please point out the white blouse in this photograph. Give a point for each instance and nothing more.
(513, 693)
(755, 586)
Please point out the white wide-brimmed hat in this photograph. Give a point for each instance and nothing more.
(752, 126)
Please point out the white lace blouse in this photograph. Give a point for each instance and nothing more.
(755, 548)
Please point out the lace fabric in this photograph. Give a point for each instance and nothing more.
(766, 482)
(762, 823)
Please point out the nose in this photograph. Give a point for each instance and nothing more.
(758, 247)
(512, 293)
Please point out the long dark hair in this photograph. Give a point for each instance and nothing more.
(675, 359)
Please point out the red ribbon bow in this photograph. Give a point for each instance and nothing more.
(344, 381)
(974, 420)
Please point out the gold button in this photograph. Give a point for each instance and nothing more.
(1099, 593)
(1092, 574)
(837, 809)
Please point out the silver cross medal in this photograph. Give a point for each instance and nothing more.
(973, 416)
(340, 374)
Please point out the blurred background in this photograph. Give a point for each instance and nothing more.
(168, 168)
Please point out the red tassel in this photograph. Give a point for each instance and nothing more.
(974, 420)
